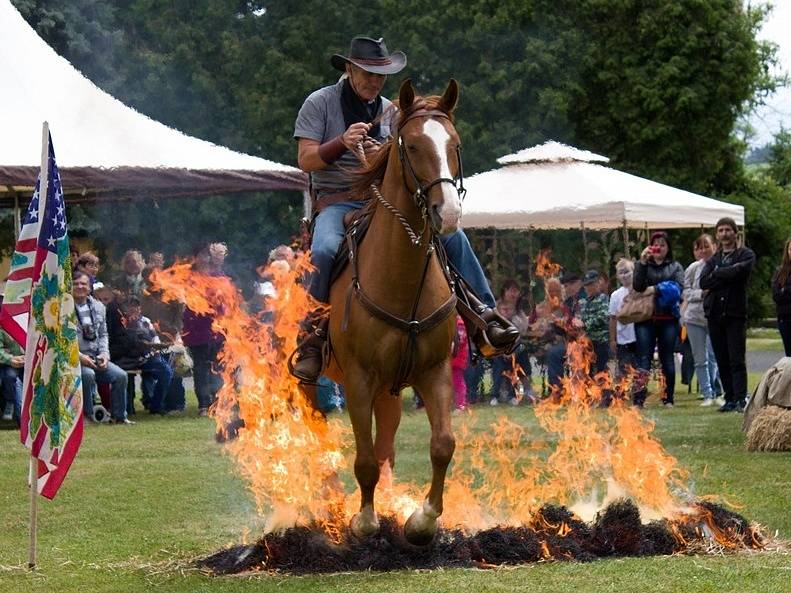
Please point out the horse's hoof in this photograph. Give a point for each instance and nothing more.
(365, 524)
(421, 526)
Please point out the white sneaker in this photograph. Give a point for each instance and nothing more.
(7, 416)
(514, 401)
(709, 401)
(720, 401)
(493, 401)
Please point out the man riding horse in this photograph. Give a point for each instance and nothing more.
(337, 126)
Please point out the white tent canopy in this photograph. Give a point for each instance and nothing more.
(553, 186)
(105, 148)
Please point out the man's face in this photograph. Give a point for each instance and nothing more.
(572, 288)
(132, 312)
(81, 288)
(726, 235)
(365, 84)
(217, 254)
(592, 289)
(156, 260)
(132, 266)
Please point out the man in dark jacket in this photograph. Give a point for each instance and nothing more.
(724, 278)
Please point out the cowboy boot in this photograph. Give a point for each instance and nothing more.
(500, 333)
(491, 333)
(307, 360)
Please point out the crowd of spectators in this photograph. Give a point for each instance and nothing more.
(706, 305)
(126, 330)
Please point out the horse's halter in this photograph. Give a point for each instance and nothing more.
(420, 194)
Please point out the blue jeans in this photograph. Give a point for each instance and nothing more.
(601, 350)
(157, 376)
(12, 388)
(116, 377)
(205, 372)
(703, 355)
(503, 364)
(555, 360)
(473, 377)
(328, 232)
(176, 398)
(662, 333)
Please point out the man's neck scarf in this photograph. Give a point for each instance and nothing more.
(356, 110)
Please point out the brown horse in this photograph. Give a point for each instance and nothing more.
(399, 278)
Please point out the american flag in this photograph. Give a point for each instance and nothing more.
(38, 312)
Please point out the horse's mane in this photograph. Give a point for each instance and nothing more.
(365, 176)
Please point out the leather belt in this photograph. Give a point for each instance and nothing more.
(325, 200)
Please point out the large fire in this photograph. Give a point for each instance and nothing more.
(293, 459)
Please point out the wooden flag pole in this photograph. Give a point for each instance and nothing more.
(33, 479)
(33, 472)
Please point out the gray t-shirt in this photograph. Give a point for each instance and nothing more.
(321, 119)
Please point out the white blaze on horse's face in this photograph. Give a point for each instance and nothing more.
(449, 207)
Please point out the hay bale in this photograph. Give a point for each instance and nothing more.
(770, 430)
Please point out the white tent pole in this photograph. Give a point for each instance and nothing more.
(626, 251)
(17, 217)
(584, 247)
(530, 269)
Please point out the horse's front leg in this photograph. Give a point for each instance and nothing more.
(436, 388)
(359, 401)
(387, 412)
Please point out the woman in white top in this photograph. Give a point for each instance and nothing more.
(694, 319)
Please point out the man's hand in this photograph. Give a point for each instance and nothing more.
(101, 361)
(87, 361)
(18, 361)
(355, 134)
(371, 147)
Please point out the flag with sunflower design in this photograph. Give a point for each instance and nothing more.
(38, 312)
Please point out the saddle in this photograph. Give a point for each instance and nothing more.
(468, 305)
(356, 223)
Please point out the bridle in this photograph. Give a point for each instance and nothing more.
(420, 193)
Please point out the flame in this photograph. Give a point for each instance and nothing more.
(292, 458)
(545, 268)
(287, 453)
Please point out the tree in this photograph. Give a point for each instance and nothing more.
(780, 158)
(656, 86)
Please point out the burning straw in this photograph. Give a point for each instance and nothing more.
(503, 478)
(554, 533)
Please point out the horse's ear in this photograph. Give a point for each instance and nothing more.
(406, 95)
(450, 97)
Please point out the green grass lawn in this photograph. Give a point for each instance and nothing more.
(141, 501)
(764, 338)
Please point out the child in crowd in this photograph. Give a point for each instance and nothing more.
(459, 363)
(104, 293)
(623, 343)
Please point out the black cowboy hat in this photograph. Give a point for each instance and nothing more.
(372, 56)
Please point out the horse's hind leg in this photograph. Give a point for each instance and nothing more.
(437, 391)
(366, 468)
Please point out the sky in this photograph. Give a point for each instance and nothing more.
(777, 111)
